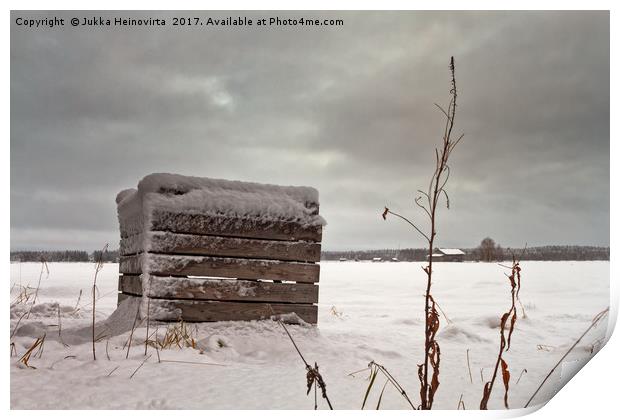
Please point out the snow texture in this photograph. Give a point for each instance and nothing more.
(217, 197)
(366, 312)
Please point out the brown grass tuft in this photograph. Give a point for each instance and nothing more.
(35, 350)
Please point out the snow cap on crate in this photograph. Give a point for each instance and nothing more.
(222, 197)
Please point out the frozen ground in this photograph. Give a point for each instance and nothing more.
(376, 316)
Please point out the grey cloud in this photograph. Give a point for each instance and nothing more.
(347, 110)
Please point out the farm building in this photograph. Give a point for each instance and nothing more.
(203, 249)
(448, 254)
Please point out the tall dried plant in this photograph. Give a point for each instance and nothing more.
(506, 328)
(98, 267)
(428, 371)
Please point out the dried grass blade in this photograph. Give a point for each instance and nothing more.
(373, 376)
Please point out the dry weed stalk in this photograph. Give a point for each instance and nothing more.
(35, 350)
(17, 324)
(147, 295)
(471, 379)
(594, 323)
(133, 328)
(60, 328)
(506, 328)
(313, 376)
(98, 267)
(24, 295)
(376, 368)
(112, 371)
(141, 364)
(428, 371)
(45, 268)
(77, 304)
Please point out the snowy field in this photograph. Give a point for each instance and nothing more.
(367, 311)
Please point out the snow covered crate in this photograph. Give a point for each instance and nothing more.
(212, 250)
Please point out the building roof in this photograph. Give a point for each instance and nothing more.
(451, 251)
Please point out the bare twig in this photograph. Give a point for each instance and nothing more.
(45, 268)
(521, 374)
(469, 368)
(77, 304)
(17, 324)
(358, 371)
(112, 371)
(141, 364)
(148, 315)
(133, 328)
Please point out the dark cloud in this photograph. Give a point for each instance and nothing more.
(348, 110)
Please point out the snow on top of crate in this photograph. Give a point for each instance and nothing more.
(228, 198)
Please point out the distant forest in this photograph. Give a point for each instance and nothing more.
(64, 256)
(492, 253)
(538, 253)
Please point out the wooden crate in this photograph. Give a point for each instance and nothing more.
(197, 264)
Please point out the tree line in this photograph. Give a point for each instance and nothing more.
(488, 250)
(64, 256)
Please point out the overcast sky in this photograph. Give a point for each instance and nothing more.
(348, 110)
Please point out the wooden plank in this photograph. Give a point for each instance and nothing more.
(255, 228)
(220, 246)
(130, 264)
(130, 284)
(205, 311)
(221, 289)
(185, 265)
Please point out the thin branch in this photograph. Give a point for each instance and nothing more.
(408, 221)
(141, 364)
(442, 110)
(133, 327)
(417, 202)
